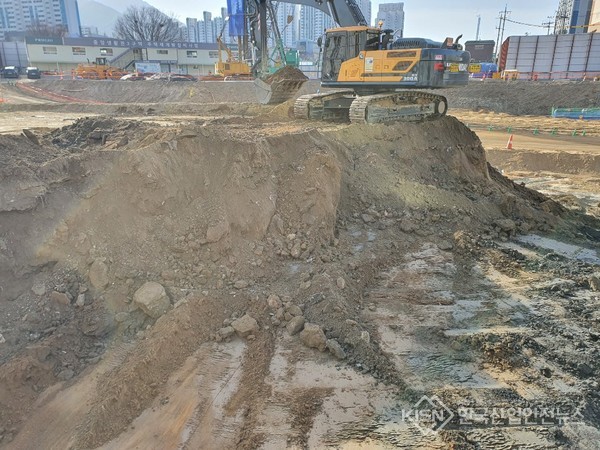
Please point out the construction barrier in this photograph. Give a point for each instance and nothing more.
(576, 113)
(513, 75)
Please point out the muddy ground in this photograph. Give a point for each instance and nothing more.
(214, 274)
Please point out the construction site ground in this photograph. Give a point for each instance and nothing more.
(181, 267)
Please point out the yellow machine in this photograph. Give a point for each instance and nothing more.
(231, 68)
(99, 70)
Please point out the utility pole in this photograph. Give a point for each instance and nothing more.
(549, 24)
(503, 15)
(478, 27)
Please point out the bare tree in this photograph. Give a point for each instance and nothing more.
(42, 29)
(147, 24)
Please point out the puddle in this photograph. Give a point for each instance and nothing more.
(567, 250)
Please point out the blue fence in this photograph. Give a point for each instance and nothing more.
(576, 113)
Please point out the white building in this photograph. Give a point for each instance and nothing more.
(288, 21)
(18, 15)
(392, 15)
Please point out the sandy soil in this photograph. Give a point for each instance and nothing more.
(413, 266)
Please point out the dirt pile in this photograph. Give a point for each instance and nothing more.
(286, 73)
(262, 229)
(524, 97)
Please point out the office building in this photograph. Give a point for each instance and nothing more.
(20, 15)
(392, 16)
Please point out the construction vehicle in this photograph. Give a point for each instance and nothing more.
(99, 70)
(380, 74)
(232, 68)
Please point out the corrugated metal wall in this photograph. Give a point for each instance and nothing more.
(557, 56)
(13, 54)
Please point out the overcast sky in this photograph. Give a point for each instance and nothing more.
(433, 19)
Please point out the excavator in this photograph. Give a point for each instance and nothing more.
(383, 78)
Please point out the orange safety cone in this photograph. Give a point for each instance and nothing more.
(509, 144)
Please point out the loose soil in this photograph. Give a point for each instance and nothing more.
(433, 273)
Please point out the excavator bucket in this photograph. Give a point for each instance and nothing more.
(279, 86)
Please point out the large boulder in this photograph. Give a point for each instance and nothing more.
(313, 337)
(245, 326)
(152, 299)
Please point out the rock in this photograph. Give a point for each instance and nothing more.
(152, 299)
(280, 314)
(60, 298)
(595, 282)
(445, 246)
(294, 310)
(507, 225)
(296, 250)
(241, 284)
(215, 233)
(38, 288)
(2, 339)
(245, 326)
(367, 218)
(121, 317)
(274, 302)
(306, 285)
(313, 337)
(98, 274)
(335, 348)
(365, 336)
(407, 226)
(295, 325)
(65, 375)
(226, 332)
(80, 302)
(341, 283)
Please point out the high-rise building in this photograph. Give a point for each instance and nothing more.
(392, 15)
(573, 16)
(288, 21)
(595, 18)
(365, 8)
(192, 29)
(313, 23)
(19, 15)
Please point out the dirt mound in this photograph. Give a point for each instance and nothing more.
(286, 73)
(524, 97)
(283, 224)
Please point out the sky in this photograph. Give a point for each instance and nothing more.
(434, 19)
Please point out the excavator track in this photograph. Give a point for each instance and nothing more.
(402, 106)
(330, 106)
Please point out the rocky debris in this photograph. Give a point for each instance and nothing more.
(2, 339)
(245, 326)
(80, 302)
(274, 302)
(335, 348)
(295, 325)
(98, 274)
(286, 73)
(241, 284)
(506, 225)
(293, 310)
(595, 282)
(152, 299)
(38, 288)
(313, 337)
(217, 232)
(446, 246)
(65, 375)
(60, 298)
(121, 317)
(340, 283)
(225, 333)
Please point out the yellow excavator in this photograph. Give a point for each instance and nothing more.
(99, 70)
(231, 68)
(383, 78)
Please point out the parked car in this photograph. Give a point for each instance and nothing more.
(10, 72)
(33, 73)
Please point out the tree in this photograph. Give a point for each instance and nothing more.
(147, 24)
(42, 29)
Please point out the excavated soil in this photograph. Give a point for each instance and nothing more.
(416, 268)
